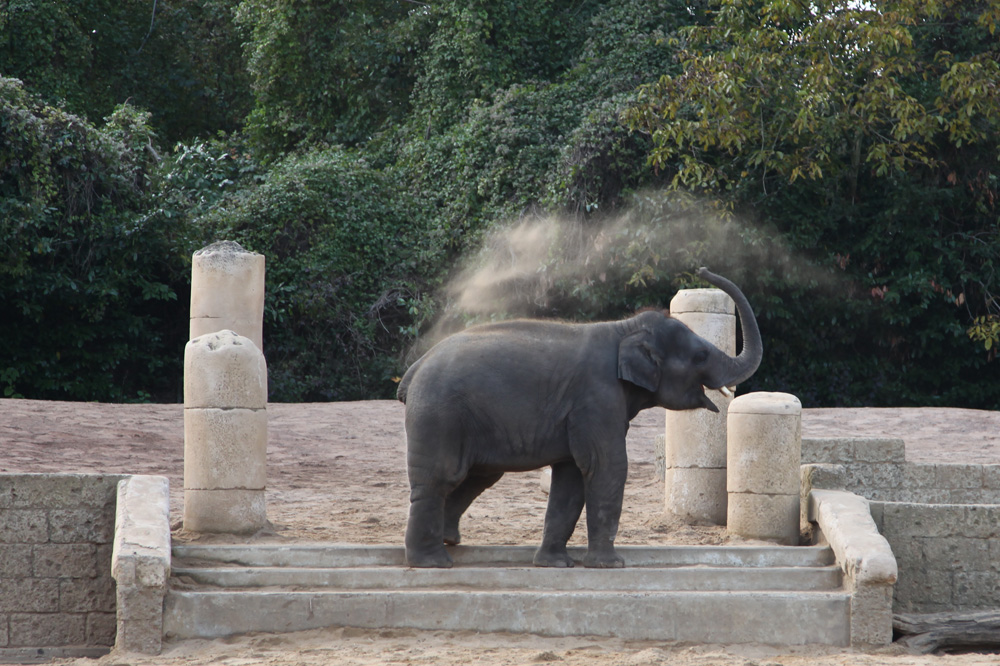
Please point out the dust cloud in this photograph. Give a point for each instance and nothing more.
(572, 268)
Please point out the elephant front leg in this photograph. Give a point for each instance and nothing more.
(605, 470)
(565, 505)
(425, 529)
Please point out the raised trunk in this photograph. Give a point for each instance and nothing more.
(732, 370)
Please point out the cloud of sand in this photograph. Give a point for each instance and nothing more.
(538, 266)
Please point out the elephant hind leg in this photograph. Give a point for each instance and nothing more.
(424, 541)
(460, 499)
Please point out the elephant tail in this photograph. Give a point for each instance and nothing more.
(404, 383)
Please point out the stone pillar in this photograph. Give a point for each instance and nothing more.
(225, 434)
(765, 451)
(695, 444)
(227, 291)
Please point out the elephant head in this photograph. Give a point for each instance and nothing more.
(663, 356)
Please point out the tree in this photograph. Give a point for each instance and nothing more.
(866, 133)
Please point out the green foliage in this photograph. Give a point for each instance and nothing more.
(179, 60)
(343, 242)
(867, 136)
(328, 70)
(86, 307)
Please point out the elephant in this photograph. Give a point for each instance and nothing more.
(520, 395)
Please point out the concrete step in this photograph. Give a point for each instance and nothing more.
(321, 555)
(780, 595)
(516, 578)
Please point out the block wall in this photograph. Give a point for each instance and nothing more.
(56, 535)
(948, 555)
(942, 521)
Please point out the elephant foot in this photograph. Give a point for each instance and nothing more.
(553, 557)
(434, 559)
(605, 559)
(451, 536)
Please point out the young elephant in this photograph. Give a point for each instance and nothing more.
(520, 395)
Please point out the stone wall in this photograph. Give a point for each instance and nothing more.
(56, 535)
(941, 520)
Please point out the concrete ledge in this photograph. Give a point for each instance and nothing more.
(140, 562)
(864, 556)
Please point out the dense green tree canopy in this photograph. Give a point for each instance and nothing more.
(837, 159)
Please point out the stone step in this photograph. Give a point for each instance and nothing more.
(516, 578)
(782, 618)
(324, 555)
(724, 594)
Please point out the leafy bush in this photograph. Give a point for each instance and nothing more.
(87, 311)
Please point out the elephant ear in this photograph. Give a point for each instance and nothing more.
(638, 361)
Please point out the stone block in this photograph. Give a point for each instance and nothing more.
(764, 444)
(959, 476)
(227, 290)
(981, 521)
(15, 561)
(101, 628)
(765, 517)
(227, 511)
(863, 477)
(697, 437)
(696, 496)
(47, 629)
(29, 595)
(225, 448)
(719, 329)
(224, 370)
(700, 301)
(871, 615)
(83, 524)
(928, 586)
(958, 553)
(51, 491)
(879, 449)
(991, 477)
(918, 476)
(65, 560)
(144, 637)
(24, 526)
(823, 475)
(140, 603)
(87, 595)
(833, 450)
(924, 520)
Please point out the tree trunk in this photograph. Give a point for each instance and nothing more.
(934, 631)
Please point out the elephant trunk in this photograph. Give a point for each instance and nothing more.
(733, 370)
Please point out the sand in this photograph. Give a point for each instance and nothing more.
(336, 472)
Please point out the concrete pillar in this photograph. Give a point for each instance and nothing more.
(695, 444)
(225, 434)
(227, 291)
(765, 451)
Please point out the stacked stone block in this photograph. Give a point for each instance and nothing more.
(56, 535)
(227, 291)
(695, 440)
(941, 520)
(225, 434)
(764, 445)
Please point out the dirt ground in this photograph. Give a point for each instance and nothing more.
(336, 472)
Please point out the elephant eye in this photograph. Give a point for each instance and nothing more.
(700, 357)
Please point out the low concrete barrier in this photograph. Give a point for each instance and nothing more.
(865, 557)
(140, 562)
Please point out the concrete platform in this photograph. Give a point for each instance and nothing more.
(780, 595)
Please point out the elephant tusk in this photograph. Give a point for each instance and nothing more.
(726, 391)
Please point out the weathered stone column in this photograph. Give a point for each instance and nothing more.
(695, 445)
(227, 291)
(765, 451)
(225, 434)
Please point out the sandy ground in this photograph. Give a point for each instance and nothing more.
(336, 472)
